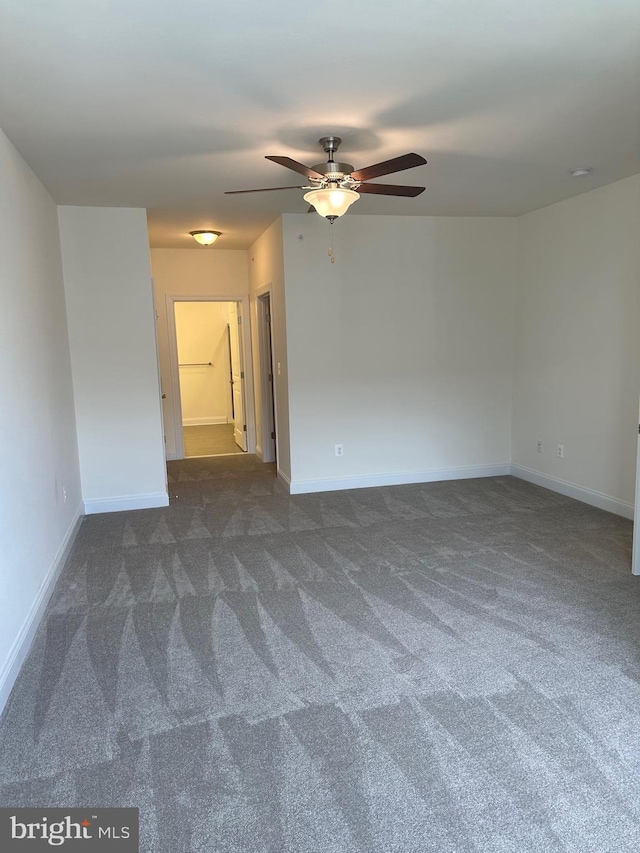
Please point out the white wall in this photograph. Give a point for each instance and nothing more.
(190, 272)
(401, 350)
(37, 423)
(266, 267)
(109, 299)
(577, 376)
(202, 339)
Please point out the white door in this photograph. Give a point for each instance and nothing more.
(237, 375)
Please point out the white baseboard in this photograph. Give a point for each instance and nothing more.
(218, 419)
(150, 501)
(22, 643)
(400, 478)
(286, 480)
(171, 457)
(588, 496)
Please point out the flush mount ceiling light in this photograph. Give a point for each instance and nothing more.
(580, 173)
(335, 186)
(205, 238)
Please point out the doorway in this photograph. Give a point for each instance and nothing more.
(268, 419)
(635, 554)
(212, 395)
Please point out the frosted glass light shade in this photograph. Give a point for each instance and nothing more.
(205, 238)
(332, 201)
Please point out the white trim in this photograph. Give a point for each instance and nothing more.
(399, 478)
(176, 401)
(22, 643)
(579, 493)
(126, 502)
(216, 419)
(247, 363)
(161, 394)
(268, 393)
(238, 319)
(635, 553)
(259, 452)
(286, 480)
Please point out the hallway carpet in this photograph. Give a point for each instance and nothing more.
(209, 440)
(446, 667)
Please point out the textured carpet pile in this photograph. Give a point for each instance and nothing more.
(451, 667)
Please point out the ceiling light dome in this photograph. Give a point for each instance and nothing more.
(205, 238)
(331, 201)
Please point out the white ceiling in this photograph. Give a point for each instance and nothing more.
(164, 105)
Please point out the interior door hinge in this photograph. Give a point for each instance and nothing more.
(244, 427)
(273, 435)
(239, 321)
(242, 374)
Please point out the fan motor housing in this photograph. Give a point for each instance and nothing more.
(333, 169)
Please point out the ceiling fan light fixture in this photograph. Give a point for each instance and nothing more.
(205, 238)
(331, 201)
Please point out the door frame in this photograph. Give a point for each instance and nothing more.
(635, 554)
(245, 337)
(238, 388)
(269, 453)
(156, 319)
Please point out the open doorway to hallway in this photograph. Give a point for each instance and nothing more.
(210, 393)
(267, 407)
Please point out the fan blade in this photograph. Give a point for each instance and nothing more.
(265, 190)
(390, 189)
(398, 164)
(297, 167)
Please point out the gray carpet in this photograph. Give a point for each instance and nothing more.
(448, 667)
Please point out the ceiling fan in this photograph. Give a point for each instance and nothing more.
(334, 187)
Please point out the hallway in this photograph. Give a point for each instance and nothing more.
(209, 440)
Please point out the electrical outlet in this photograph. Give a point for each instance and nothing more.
(560, 451)
(339, 449)
(539, 447)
